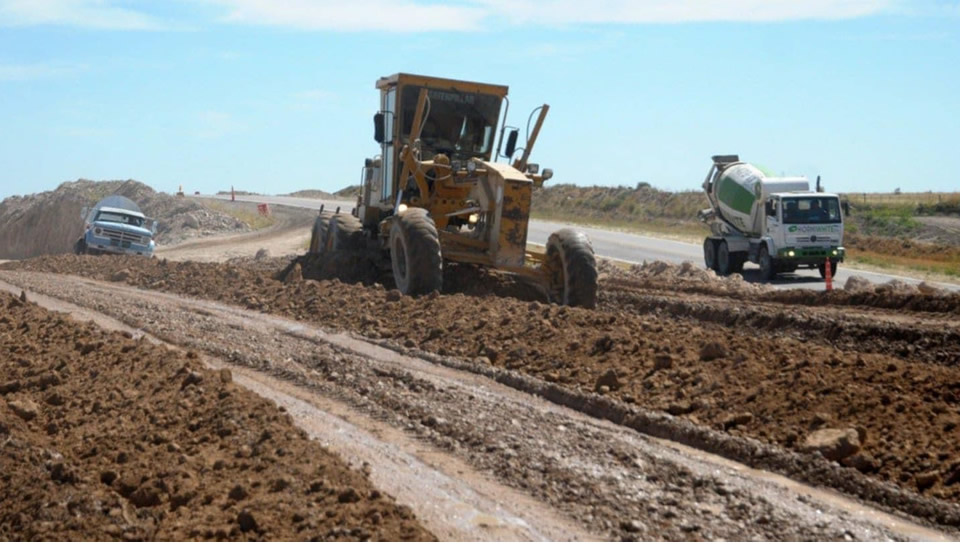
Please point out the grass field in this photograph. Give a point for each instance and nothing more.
(245, 212)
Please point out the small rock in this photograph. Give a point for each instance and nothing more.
(926, 480)
(262, 254)
(348, 495)
(633, 526)
(862, 462)
(856, 283)
(193, 377)
(145, 497)
(24, 408)
(295, 275)
(736, 419)
(833, 444)
(409, 343)
(247, 522)
(10, 387)
(680, 407)
(713, 350)
(237, 493)
(662, 361)
(23, 296)
(608, 379)
(394, 295)
(226, 376)
(432, 421)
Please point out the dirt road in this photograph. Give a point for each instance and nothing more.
(502, 464)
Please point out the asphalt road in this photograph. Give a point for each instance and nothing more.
(628, 247)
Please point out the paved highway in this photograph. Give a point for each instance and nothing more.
(627, 247)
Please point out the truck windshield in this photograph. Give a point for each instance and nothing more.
(115, 217)
(811, 210)
(460, 124)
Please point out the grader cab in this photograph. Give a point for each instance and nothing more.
(439, 191)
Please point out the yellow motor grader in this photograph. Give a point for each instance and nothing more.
(438, 191)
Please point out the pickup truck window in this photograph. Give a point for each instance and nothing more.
(119, 218)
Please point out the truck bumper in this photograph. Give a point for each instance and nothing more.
(105, 246)
(801, 256)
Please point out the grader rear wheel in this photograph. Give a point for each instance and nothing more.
(415, 253)
(344, 233)
(571, 269)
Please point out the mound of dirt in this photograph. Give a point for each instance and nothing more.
(775, 386)
(50, 222)
(107, 437)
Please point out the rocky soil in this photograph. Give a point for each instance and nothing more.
(50, 222)
(104, 436)
(737, 364)
(608, 480)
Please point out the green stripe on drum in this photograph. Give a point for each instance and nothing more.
(735, 196)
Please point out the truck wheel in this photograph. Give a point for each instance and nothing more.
(80, 247)
(318, 237)
(571, 269)
(823, 269)
(768, 271)
(415, 253)
(344, 233)
(710, 253)
(723, 259)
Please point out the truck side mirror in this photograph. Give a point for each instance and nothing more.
(378, 128)
(846, 207)
(511, 143)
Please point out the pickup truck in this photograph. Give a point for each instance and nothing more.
(116, 226)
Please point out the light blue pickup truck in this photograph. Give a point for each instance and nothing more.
(116, 226)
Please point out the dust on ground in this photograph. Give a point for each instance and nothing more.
(897, 391)
(109, 437)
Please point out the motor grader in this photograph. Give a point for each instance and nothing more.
(439, 191)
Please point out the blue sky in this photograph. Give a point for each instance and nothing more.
(278, 95)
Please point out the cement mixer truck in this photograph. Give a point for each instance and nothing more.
(775, 222)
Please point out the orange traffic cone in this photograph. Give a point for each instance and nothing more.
(828, 272)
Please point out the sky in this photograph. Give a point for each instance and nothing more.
(278, 95)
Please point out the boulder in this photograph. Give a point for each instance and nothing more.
(832, 443)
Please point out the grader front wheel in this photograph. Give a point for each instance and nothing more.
(344, 233)
(571, 269)
(318, 237)
(415, 253)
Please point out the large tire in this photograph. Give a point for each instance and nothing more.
(345, 232)
(768, 271)
(822, 268)
(318, 237)
(415, 253)
(710, 253)
(724, 260)
(80, 247)
(571, 269)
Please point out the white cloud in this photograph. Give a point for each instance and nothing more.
(564, 12)
(358, 15)
(94, 14)
(436, 15)
(37, 71)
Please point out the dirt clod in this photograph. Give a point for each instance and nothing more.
(833, 444)
(713, 350)
(608, 379)
(24, 408)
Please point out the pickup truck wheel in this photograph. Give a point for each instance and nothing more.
(344, 233)
(80, 247)
(723, 259)
(571, 269)
(767, 270)
(415, 253)
(823, 269)
(710, 253)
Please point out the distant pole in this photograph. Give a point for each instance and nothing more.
(233, 195)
